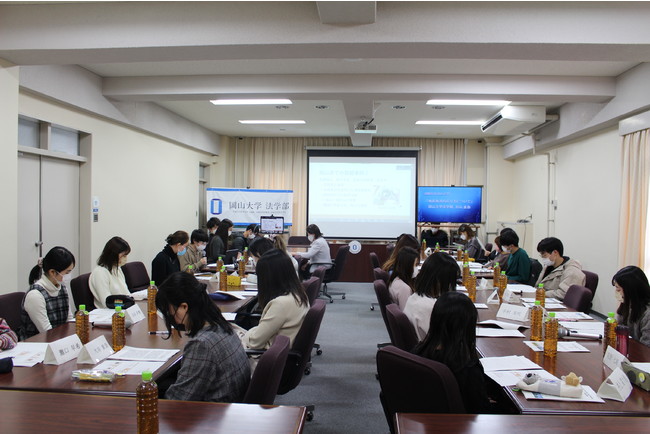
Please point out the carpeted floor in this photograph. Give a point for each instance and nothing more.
(342, 383)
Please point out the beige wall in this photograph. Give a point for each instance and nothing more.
(147, 186)
(9, 174)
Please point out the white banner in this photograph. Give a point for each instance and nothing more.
(244, 206)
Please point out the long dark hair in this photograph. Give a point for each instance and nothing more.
(222, 231)
(437, 275)
(404, 266)
(636, 292)
(178, 237)
(452, 332)
(57, 259)
(276, 276)
(404, 240)
(180, 288)
(315, 231)
(110, 257)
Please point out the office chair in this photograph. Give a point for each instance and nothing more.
(333, 274)
(579, 298)
(296, 240)
(374, 263)
(383, 299)
(404, 336)
(81, 294)
(312, 288)
(136, 276)
(413, 384)
(267, 375)
(535, 269)
(591, 282)
(10, 308)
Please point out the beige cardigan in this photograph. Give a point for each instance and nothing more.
(281, 316)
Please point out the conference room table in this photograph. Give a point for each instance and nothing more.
(589, 366)
(58, 378)
(29, 412)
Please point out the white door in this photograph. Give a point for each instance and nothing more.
(48, 210)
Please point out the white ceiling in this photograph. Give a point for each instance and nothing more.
(367, 57)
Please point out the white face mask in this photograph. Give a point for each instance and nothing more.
(546, 262)
(310, 237)
(229, 233)
(618, 295)
(200, 247)
(251, 237)
(505, 249)
(463, 237)
(66, 279)
(434, 230)
(122, 261)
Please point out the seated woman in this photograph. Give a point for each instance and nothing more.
(8, 338)
(215, 366)
(404, 240)
(633, 294)
(219, 242)
(166, 262)
(497, 255)
(195, 255)
(472, 244)
(318, 254)
(46, 304)
(282, 299)
(107, 278)
(437, 276)
(451, 340)
(400, 283)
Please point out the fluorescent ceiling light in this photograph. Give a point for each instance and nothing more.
(279, 122)
(467, 102)
(249, 101)
(449, 123)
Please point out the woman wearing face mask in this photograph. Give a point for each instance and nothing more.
(107, 278)
(219, 242)
(46, 302)
(166, 262)
(319, 251)
(195, 255)
(214, 367)
(240, 242)
(400, 284)
(472, 244)
(632, 292)
(498, 255)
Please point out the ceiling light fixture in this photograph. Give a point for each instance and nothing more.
(271, 122)
(487, 102)
(250, 101)
(449, 123)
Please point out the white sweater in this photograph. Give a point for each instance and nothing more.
(318, 254)
(418, 310)
(104, 283)
(281, 316)
(35, 304)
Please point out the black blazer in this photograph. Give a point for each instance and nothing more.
(165, 263)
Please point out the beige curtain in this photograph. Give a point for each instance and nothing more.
(280, 163)
(635, 176)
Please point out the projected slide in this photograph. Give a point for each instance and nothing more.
(449, 204)
(361, 196)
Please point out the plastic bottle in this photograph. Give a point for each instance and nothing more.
(119, 331)
(502, 285)
(465, 272)
(610, 331)
(471, 286)
(152, 291)
(536, 320)
(146, 401)
(223, 279)
(437, 247)
(540, 295)
(622, 338)
(466, 257)
(219, 263)
(82, 324)
(246, 255)
(497, 273)
(241, 264)
(190, 269)
(459, 254)
(550, 335)
(423, 254)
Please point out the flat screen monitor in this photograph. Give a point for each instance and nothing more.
(449, 204)
(271, 225)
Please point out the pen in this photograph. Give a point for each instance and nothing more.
(159, 332)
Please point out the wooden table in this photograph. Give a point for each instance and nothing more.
(587, 365)
(29, 412)
(412, 423)
(42, 377)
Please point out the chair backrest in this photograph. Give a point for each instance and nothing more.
(591, 281)
(10, 308)
(298, 241)
(81, 292)
(267, 375)
(332, 274)
(579, 298)
(535, 269)
(413, 384)
(319, 272)
(404, 336)
(374, 260)
(312, 287)
(230, 256)
(381, 275)
(136, 276)
(383, 299)
(300, 353)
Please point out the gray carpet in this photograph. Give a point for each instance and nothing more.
(342, 383)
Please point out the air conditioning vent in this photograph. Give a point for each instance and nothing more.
(514, 120)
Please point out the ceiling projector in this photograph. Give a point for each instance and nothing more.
(365, 127)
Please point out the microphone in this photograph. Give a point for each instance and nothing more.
(566, 333)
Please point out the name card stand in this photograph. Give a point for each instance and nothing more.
(613, 358)
(617, 386)
(63, 350)
(513, 312)
(510, 297)
(95, 351)
(134, 314)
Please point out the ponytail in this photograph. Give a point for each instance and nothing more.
(57, 259)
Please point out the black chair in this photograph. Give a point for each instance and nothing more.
(10, 308)
(298, 241)
(579, 298)
(413, 384)
(267, 375)
(383, 299)
(404, 336)
(312, 287)
(136, 276)
(230, 256)
(381, 275)
(535, 269)
(374, 260)
(332, 274)
(81, 294)
(591, 281)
